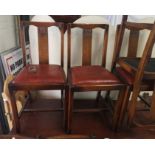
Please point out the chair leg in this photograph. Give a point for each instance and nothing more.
(107, 95)
(124, 106)
(70, 107)
(132, 106)
(98, 98)
(118, 107)
(152, 109)
(66, 108)
(30, 97)
(62, 98)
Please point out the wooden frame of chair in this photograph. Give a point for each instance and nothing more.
(86, 61)
(138, 84)
(17, 83)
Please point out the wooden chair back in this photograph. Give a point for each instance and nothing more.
(134, 31)
(42, 39)
(87, 42)
(143, 61)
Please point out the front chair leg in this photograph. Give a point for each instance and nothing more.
(62, 98)
(132, 106)
(124, 106)
(66, 109)
(70, 107)
(117, 109)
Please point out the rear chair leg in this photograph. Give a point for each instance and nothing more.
(98, 98)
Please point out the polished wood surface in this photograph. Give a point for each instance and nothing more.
(88, 77)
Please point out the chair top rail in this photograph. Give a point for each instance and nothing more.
(138, 26)
(42, 24)
(89, 26)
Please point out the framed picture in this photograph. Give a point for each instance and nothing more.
(12, 60)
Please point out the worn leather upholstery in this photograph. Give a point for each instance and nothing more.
(92, 75)
(43, 74)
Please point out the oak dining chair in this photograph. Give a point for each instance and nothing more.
(42, 76)
(88, 77)
(136, 71)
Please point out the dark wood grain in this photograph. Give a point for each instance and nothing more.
(87, 41)
(133, 43)
(43, 45)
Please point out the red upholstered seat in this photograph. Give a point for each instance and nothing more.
(92, 75)
(41, 74)
(124, 75)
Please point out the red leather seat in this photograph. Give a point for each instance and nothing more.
(92, 75)
(43, 74)
(89, 77)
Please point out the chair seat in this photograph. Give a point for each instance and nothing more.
(42, 74)
(92, 75)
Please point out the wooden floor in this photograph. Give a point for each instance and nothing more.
(85, 125)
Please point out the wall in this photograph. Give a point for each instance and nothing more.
(8, 31)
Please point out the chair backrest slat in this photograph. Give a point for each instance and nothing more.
(22, 42)
(133, 43)
(135, 29)
(43, 45)
(115, 53)
(105, 44)
(87, 41)
(42, 39)
(137, 26)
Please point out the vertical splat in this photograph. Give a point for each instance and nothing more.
(87, 42)
(133, 43)
(43, 45)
